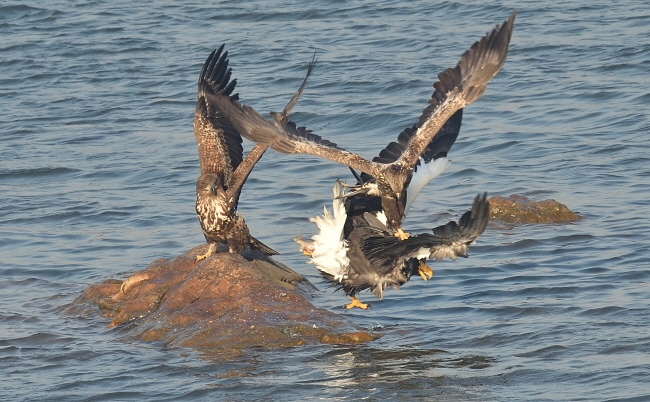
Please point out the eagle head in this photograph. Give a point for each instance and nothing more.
(209, 183)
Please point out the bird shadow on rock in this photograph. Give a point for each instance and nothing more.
(219, 306)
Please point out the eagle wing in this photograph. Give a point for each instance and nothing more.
(244, 169)
(439, 146)
(458, 87)
(219, 144)
(284, 116)
(285, 137)
(451, 240)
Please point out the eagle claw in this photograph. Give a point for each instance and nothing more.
(402, 234)
(356, 303)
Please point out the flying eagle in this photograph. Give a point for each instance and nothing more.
(224, 170)
(390, 176)
(371, 257)
(433, 162)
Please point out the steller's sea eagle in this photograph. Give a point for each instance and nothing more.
(370, 257)
(388, 176)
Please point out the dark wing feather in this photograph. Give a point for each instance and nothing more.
(382, 251)
(219, 144)
(439, 146)
(458, 87)
(246, 166)
(284, 116)
(363, 234)
(447, 241)
(454, 239)
(284, 138)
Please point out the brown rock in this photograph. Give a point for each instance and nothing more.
(222, 304)
(518, 209)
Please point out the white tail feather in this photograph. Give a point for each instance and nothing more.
(425, 173)
(330, 249)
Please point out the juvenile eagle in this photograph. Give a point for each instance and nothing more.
(224, 170)
(388, 176)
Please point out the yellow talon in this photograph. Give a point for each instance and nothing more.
(306, 247)
(210, 251)
(425, 271)
(402, 234)
(357, 303)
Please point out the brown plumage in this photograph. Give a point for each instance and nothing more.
(224, 170)
(370, 257)
(455, 89)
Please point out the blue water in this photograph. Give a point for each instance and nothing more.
(99, 163)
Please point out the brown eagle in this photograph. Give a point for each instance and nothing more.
(224, 170)
(391, 173)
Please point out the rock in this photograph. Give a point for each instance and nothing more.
(220, 305)
(518, 209)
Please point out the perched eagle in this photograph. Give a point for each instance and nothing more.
(371, 257)
(388, 177)
(224, 170)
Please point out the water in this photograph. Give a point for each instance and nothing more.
(99, 163)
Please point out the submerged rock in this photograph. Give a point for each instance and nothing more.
(521, 210)
(223, 304)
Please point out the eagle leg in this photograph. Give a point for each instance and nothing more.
(402, 234)
(306, 247)
(211, 248)
(425, 271)
(357, 303)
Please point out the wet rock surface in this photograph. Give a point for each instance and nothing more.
(220, 305)
(518, 209)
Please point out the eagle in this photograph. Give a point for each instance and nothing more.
(363, 198)
(387, 177)
(370, 257)
(224, 170)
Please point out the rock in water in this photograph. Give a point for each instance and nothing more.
(518, 209)
(220, 305)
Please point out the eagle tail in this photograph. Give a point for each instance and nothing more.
(263, 248)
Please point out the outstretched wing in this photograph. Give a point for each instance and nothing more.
(458, 87)
(447, 241)
(284, 137)
(246, 166)
(453, 240)
(439, 146)
(219, 144)
(284, 116)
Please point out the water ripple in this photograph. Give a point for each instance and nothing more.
(101, 164)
